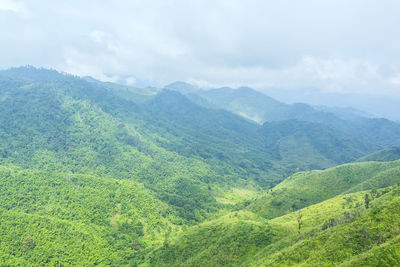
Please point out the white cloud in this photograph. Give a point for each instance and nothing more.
(395, 79)
(10, 5)
(335, 45)
(325, 74)
(130, 80)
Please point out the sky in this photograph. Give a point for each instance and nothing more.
(332, 52)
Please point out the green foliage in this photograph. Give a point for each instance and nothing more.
(96, 173)
(40, 207)
(387, 154)
(262, 108)
(306, 188)
(228, 240)
(56, 132)
(305, 143)
(369, 238)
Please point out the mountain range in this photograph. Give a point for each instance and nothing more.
(100, 173)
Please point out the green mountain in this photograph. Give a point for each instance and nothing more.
(305, 143)
(91, 126)
(246, 102)
(354, 236)
(346, 113)
(260, 108)
(387, 154)
(337, 225)
(99, 173)
(306, 188)
(182, 87)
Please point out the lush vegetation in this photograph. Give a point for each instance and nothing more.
(357, 237)
(59, 218)
(387, 154)
(96, 173)
(339, 230)
(261, 108)
(306, 188)
(229, 240)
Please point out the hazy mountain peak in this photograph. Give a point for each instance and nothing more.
(182, 87)
(32, 73)
(347, 113)
(248, 90)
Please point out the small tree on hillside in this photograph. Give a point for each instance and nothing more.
(299, 223)
(366, 201)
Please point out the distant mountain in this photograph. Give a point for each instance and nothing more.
(182, 87)
(258, 107)
(138, 95)
(33, 74)
(291, 144)
(306, 142)
(59, 116)
(245, 102)
(387, 154)
(261, 108)
(345, 113)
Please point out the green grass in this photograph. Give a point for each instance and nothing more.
(306, 188)
(226, 241)
(387, 154)
(352, 241)
(328, 218)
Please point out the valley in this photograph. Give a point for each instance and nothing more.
(98, 173)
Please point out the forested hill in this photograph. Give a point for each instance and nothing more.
(67, 118)
(107, 163)
(261, 108)
(60, 122)
(348, 216)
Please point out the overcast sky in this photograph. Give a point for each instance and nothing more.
(332, 46)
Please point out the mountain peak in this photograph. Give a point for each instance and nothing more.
(182, 87)
(32, 73)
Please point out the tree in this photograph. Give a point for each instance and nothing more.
(367, 201)
(299, 223)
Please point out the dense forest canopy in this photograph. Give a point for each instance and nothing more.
(100, 173)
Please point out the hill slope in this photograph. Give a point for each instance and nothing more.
(387, 154)
(306, 188)
(358, 237)
(339, 228)
(152, 177)
(258, 107)
(65, 218)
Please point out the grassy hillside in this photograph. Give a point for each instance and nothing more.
(387, 154)
(327, 200)
(306, 188)
(359, 237)
(226, 241)
(337, 230)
